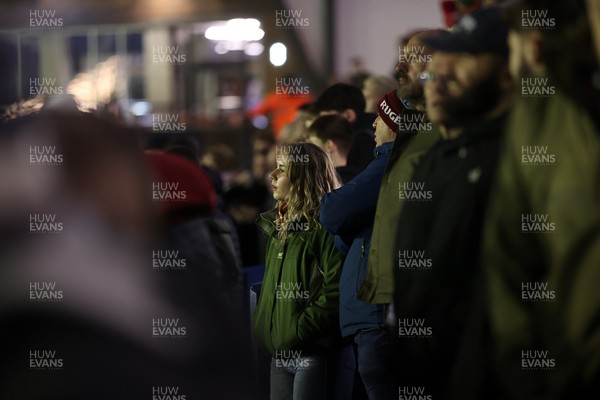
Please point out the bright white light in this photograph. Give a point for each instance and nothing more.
(254, 49)
(140, 108)
(278, 54)
(235, 46)
(244, 23)
(225, 47)
(237, 30)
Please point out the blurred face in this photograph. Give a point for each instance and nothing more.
(280, 183)
(260, 162)
(438, 85)
(410, 66)
(471, 68)
(477, 89)
(369, 91)
(383, 133)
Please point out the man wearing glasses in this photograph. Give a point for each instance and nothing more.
(439, 291)
(410, 144)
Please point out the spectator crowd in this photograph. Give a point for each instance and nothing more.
(431, 234)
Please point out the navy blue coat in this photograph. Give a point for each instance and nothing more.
(349, 212)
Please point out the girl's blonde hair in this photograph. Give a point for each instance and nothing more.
(311, 175)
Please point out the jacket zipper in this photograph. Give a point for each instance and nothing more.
(362, 255)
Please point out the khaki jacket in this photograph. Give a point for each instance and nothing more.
(542, 251)
(378, 286)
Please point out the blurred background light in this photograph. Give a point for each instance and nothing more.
(254, 49)
(141, 108)
(236, 30)
(278, 54)
(229, 102)
(260, 122)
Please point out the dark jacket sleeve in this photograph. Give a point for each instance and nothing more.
(349, 209)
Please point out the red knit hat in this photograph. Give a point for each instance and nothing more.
(390, 109)
(179, 183)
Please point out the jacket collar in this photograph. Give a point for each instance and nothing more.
(473, 132)
(266, 222)
(383, 150)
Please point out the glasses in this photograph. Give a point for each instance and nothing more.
(432, 77)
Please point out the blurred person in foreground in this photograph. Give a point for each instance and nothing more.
(439, 292)
(193, 231)
(83, 313)
(542, 237)
(220, 222)
(296, 317)
(348, 212)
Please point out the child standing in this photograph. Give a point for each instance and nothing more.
(296, 319)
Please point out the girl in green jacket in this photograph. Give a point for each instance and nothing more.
(296, 318)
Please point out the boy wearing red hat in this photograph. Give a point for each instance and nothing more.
(349, 213)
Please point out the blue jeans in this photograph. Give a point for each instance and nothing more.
(374, 355)
(301, 378)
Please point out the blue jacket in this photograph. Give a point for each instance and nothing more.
(349, 212)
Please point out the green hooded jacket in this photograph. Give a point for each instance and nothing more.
(298, 306)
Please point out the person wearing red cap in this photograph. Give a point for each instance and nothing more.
(389, 110)
(348, 212)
